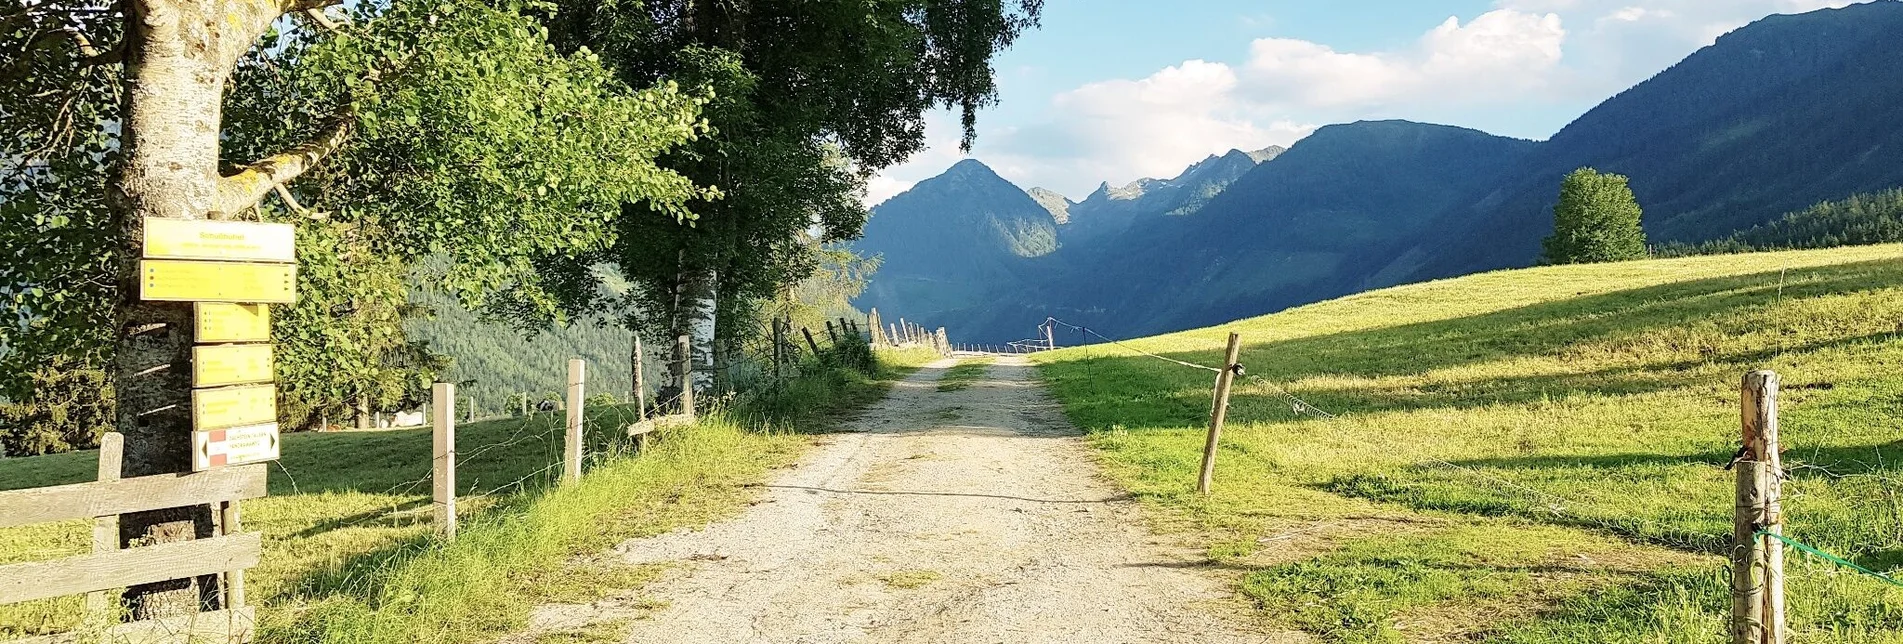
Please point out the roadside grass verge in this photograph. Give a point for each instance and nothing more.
(1528, 456)
(964, 373)
(350, 554)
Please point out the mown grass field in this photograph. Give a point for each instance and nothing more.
(350, 554)
(1528, 456)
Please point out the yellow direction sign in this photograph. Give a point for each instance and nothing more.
(234, 407)
(235, 446)
(187, 281)
(231, 364)
(220, 322)
(227, 240)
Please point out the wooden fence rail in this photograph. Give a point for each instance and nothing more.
(227, 553)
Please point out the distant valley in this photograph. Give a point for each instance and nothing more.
(1781, 114)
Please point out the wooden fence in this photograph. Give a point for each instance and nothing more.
(228, 553)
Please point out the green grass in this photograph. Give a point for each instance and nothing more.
(1528, 456)
(350, 554)
(964, 373)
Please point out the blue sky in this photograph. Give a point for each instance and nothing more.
(1116, 90)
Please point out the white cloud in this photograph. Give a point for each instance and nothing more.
(1521, 55)
(1501, 52)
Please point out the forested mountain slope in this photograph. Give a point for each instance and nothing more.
(949, 240)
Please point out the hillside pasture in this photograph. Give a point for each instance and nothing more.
(1527, 456)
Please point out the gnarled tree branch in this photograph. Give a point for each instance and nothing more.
(246, 187)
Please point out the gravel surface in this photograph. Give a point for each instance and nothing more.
(974, 515)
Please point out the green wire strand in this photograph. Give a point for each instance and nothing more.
(1830, 557)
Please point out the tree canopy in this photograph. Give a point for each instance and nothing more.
(444, 138)
(1597, 220)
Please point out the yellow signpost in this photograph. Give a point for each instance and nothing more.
(219, 240)
(234, 446)
(230, 270)
(221, 322)
(230, 364)
(227, 407)
(193, 281)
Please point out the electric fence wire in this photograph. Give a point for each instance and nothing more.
(1554, 504)
(1088, 331)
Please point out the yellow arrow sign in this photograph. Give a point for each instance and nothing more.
(220, 322)
(188, 281)
(227, 240)
(235, 446)
(231, 364)
(233, 406)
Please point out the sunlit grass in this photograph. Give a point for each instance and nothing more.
(1577, 411)
(350, 553)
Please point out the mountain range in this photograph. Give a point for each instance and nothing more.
(1780, 114)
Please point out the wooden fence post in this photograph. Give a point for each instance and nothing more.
(1218, 412)
(443, 458)
(831, 334)
(640, 379)
(779, 353)
(1757, 561)
(577, 375)
(112, 457)
(809, 341)
(685, 345)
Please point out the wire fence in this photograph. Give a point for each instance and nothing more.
(1563, 508)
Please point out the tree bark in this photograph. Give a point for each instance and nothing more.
(178, 56)
(697, 313)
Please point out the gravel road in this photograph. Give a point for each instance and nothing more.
(974, 515)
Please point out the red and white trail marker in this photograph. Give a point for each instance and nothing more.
(234, 446)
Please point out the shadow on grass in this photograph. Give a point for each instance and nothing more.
(1543, 330)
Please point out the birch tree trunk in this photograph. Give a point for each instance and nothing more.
(698, 314)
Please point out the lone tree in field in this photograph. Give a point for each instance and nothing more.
(1597, 220)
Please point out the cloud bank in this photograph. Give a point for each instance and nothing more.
(1520, 54)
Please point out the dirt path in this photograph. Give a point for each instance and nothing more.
(973, 515)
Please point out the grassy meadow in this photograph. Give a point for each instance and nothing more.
(349, 549)
(1528, 456)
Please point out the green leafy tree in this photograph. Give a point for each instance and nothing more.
(811, 98)
(400, 130)
(1597, 220)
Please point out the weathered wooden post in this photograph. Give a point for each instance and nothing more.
(443, 458)
(571, 456)
(1757, 561)
(809, 341)
(831, 334)
(112, 454)
(878, 329)
(779, 354)
(1218, 412)
(640, 380)
(685, 345)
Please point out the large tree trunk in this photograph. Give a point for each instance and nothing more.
(178, 55)
(698, 310)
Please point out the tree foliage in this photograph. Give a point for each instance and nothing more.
(811, 98)
(1873, 218)
(469, 154)
(1597, 220)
